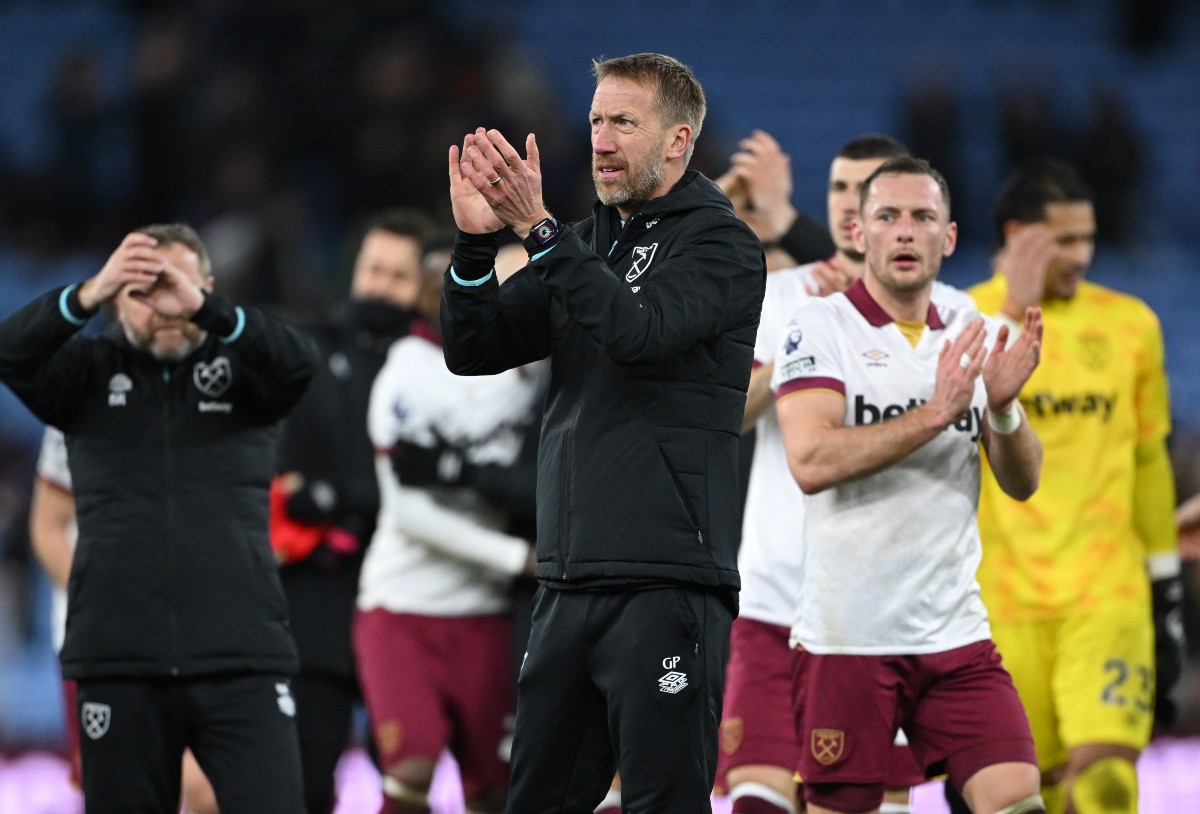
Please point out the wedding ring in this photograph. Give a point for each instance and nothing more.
(965, 361)
(495, 182)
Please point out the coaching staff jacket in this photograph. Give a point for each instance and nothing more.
(650, 328)
(170, 465)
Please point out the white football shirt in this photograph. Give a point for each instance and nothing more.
(889, 558)
(771, 557)
(52, 468)
(439, 551)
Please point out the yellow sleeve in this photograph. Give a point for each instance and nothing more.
(1154, 506)
(1154, 484)
(1153, 401)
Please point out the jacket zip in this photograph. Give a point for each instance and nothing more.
(168, 474)
(565, 497)
(679, 491)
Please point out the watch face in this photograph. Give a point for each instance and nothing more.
(545, 231)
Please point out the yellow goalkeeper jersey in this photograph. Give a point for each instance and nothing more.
(1099, 391)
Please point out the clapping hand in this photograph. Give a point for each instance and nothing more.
(959, 364)
(491, 186)
(1030, 251)
(766, 170)
(828, 278)
(1009, 367)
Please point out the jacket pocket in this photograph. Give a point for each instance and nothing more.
(682, 495)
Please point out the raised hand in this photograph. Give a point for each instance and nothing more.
(1008, 368)
(134, 261)
(734, 188)
(1031, 249)
(172, 294)
(509, 185)
(1187, 519)
(959, 365)
(471, 210)
(829, 279)
(767, 172)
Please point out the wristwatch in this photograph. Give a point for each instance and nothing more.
(543, 233)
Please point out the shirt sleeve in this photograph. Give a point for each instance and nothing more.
(45, 370)
(426, 522)
(806, 240)
(785, 292)
(807, 357)
(1154, 483)
(1152, 397)
(52, 460)
(486, 327)
(396, 411)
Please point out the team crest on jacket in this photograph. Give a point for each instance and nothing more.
(213, 378)
(118, 386)
(95, 719)
(642, 255)
(828, 745)
(287, 704)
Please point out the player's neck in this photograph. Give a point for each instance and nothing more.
(901, 306)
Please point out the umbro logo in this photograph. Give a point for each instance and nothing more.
(674, 680)
(875, 358)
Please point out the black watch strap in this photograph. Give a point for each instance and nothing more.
(543, 233)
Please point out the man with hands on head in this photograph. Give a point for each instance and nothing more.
(1082, 582)
(648, 311)
(52, 533)
(884, 396)
(177, 630)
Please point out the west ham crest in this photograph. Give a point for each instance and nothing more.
(642, 255)
(95, 719)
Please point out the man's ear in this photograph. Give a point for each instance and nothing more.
(951, 240)
(1011, 227)
(209, 281)
(678, 140)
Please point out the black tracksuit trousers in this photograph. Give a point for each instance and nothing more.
(628, 680)
(241, 728)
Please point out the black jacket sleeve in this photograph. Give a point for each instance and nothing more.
(46, 371)
(488, 328)
(807, 241)
(704, 287)
(279, 359)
